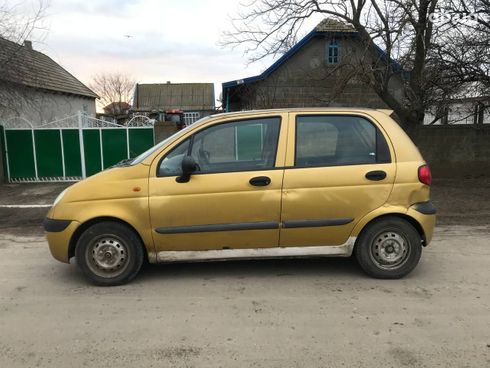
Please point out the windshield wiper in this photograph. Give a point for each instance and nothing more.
(125, 162)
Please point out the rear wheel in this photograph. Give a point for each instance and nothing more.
(109, 253)
(389, 248)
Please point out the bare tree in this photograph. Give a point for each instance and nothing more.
(459, 61)
(16, 28)
(114, 90)
(464, 48)
(403, 29)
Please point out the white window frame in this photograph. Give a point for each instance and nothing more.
(191, 117)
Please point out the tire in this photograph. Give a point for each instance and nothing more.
(389, 248)
(109, 253)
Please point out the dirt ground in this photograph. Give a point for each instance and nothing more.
(462, 201)
(275, 313)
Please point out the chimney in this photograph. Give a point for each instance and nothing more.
(28, 44)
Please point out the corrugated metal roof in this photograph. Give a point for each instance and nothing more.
(20, 64)
(184, 96)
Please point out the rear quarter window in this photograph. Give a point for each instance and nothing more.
(328, 140)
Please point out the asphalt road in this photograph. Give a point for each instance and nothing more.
(275, 313)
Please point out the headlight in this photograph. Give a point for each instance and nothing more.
(59, 197)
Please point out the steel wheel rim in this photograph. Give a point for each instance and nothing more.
(107, 256)
(390, 250)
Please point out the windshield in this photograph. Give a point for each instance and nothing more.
(155, 148)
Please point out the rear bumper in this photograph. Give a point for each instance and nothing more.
(59, 234)
(425, 208)
(425, 214)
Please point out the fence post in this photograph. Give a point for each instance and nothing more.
(4, 169)
(34, 152)
(101, 150)
(82, 148)
(127, 142)
(62, 153)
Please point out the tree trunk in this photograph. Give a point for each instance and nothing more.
(410, 118)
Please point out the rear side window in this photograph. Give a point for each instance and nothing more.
(328, 140)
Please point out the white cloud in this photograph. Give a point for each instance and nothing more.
(170, 40)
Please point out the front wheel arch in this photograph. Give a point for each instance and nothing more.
(84, 226)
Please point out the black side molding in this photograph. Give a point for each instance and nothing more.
(252, 226)
(218, 227)
(55, 226)
(317, 223)
(426, 208)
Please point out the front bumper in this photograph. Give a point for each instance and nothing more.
(59, 234)
(55, 226)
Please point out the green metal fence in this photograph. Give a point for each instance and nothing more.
(60, 151)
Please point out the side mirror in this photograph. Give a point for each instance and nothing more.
(189, 166)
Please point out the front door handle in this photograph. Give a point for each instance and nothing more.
(376, 175)
(260, 181)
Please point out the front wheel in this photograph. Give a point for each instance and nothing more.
(389, 248)
(109, 253)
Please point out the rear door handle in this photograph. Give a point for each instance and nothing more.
(376, 175)
(260, 181)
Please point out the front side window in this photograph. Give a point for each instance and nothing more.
(171, 165)
(338, 140)
(235, 146)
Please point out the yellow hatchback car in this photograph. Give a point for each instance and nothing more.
(272, 183)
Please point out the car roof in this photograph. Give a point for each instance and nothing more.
(302, 109)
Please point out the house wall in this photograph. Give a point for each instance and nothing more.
(202, 113)
(306, 79)
(164, 129)
(455, 150)
(40, 107)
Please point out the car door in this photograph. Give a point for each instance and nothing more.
(341, 167)
(233, 200)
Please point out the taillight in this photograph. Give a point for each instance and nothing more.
(425, 176)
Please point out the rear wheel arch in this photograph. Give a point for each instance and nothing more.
(84, 226)
(389, 247)
(412, 221)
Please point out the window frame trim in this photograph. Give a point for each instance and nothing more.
(333, 45)
(378, 130)
(191, 140)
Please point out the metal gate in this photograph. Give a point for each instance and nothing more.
(70, 149)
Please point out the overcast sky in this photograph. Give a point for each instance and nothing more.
(170, 40)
